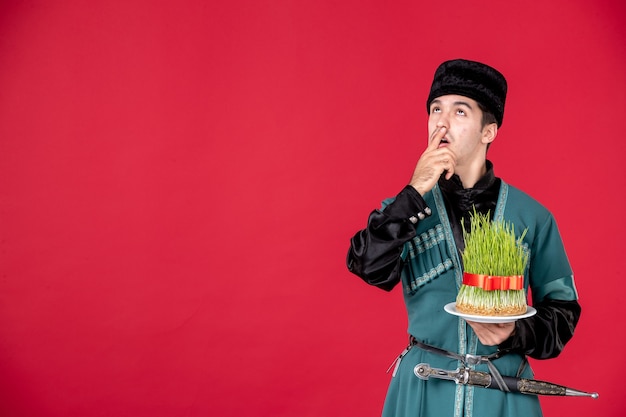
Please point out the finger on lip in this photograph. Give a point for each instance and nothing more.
(439, 132)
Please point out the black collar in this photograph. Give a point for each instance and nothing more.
(455, 185)
(461, 202)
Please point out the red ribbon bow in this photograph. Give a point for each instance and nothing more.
(491, 283)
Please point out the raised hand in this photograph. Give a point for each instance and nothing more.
(436, 159)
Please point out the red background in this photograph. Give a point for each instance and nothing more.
(179, 182)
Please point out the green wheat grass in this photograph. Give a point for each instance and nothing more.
(491, 248)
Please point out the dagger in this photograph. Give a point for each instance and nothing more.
(467, 376)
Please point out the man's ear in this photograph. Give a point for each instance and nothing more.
(489, 133)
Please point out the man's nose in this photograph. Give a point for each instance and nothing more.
(443, 121)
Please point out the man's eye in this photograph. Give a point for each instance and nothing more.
(435, 110)
(460, 112)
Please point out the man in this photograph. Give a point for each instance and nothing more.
(416, 239)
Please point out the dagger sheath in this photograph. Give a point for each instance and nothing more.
(522, 385)
(468, 376)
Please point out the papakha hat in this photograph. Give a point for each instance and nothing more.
(471, 79)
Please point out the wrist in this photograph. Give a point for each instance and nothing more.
(419, 188)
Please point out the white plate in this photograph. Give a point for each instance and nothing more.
(451, 308)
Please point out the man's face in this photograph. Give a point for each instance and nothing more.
(462, 118)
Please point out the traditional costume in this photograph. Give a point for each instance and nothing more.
(417, 240)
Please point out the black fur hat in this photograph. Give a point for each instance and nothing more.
(471, 79)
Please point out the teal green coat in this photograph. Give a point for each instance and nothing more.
(431, 279)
